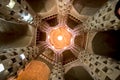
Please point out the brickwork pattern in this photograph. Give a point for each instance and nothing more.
(57, 72)
(12, 61)
(99, 67)
(104, 19)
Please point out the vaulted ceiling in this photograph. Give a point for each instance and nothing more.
(76, 12)
(79, 11)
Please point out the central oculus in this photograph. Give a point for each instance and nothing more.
(60, 37)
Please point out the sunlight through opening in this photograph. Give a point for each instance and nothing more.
(60, 38)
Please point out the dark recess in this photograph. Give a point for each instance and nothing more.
(107, 43)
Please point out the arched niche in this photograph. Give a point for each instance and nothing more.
(77, 73)
(13, 35)
(107, 43)
(41, 5)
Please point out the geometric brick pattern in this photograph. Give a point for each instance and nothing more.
(63, 8)
(104, 19)
(57, 72)
(13, 62)
(100, 67)
(16, 12)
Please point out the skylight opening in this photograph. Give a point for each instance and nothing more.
(60, 37)
(22, 56)
(1, 67)
(26, 17)
(11, 4)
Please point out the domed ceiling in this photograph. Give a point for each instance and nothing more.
(61, 28)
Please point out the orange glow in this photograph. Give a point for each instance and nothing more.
(35, 70)
(60, 38)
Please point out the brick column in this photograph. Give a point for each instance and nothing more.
(17, 10)
(99, 67)
(104, 19)
(13, 60)
(57, 72)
